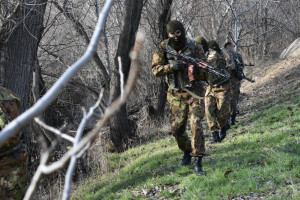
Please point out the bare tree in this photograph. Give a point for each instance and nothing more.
(120, 130)
(158, 14)
(79, 145)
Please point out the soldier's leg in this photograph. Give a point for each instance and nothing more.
(223, 106)
(235, 92)
(178, 120)
(196, 109)
(210, 112)
(223, 111)
(233, 100)
(13, 175)
(238, 92)
(211, 118)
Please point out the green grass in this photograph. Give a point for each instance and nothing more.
(259, 158)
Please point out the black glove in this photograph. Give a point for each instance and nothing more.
(178, 65)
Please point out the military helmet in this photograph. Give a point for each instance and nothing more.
(202, 41)
(214, 45)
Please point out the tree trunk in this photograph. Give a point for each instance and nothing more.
(18, 49)
(163, 18)
(120, 130)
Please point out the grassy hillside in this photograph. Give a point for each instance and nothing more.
(259, 159)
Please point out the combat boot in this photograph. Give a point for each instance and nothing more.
(198, 166)
(223, 131)
(233, 121)
(187, 159)
(216, 137)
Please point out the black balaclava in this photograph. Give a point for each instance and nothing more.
(214, 45)
(203, 42)
(172, 27)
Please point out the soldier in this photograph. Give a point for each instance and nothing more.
(203, 42)
(184, 96)
(235, 82)
(12, 155)
(217, 96)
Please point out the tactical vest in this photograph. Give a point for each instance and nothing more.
(239, 66)
(180, 79)
(217, 80)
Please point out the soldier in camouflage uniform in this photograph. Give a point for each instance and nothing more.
(12, 155)
(184, 96)
(217, 96)
(235, 82)
(204, 44)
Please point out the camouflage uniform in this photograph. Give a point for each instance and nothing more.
(183, 96)
(236, 85)
(217, 96)
(12, 155)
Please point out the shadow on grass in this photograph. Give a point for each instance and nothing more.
(138, 174)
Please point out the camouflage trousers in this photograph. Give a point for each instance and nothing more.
(217, 106)
(235, 93)
(184, 106)
(13, 175)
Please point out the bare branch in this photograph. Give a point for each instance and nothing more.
(121, 76)
(108, 112)
(54, 130)
(13, 127)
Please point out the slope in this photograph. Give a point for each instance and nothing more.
(259, 159)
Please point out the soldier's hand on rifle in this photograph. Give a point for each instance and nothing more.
(191, 68)
(178, 65)
(191, 72)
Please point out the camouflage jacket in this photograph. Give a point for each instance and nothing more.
(217, 60)
(9, 110)
(161, 64)
(228, 57)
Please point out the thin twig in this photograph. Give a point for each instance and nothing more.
(54, 130)
(121, 76)
(72, 165)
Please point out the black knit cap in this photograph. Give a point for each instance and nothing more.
(175, 25)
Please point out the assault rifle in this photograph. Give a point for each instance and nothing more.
(197, 63)
(250, 65)
(247, 79)
(243, 76)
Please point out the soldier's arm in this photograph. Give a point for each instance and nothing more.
(199, 53)
(229, 61)
(160, 66)
(213, 58)
(241, 60)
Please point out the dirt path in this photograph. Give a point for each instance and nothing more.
(279, 82)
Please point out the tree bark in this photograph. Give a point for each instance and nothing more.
(163, 18)
(18, 53)
(120, 130)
